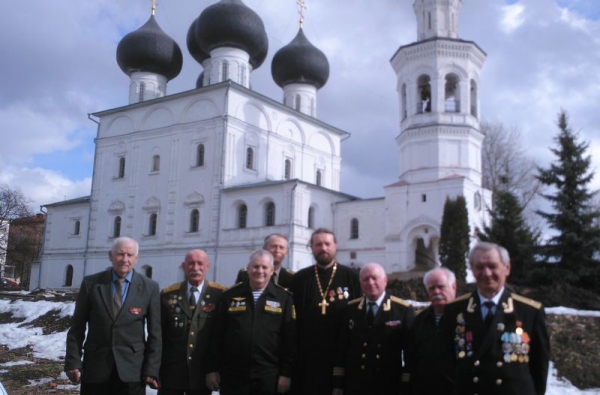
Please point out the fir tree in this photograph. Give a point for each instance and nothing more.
(454, 237)
(573, 215)
(508, 229)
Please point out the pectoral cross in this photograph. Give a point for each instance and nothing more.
(323, 306)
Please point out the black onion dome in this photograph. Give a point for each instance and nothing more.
(197, 53)
(300, 62)
(230, 23)
(150, 49)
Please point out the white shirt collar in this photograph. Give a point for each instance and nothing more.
(189, 287)
(495, 299)
(378, 301)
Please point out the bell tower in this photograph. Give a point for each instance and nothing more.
(437, 18)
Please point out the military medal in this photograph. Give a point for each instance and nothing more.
(323, 305)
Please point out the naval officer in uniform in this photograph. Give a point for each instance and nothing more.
(497, 341)
(187, 310)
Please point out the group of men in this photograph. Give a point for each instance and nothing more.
(325, 330)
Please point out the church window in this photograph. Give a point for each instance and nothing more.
(424, 94)
(429, 20)
(452, 94)
(270, 214)
(148, 271)
(200, 155)
(243, 75)
(225, 71)
(404, 112)
(352, 254)
(194, 221)
(77, 228)
(473, 98)
(250, 158)
(69, 276)
(152, 224)
(242, 216)
(477, 201)
(423, 198)
(354, 228)
(141, 91)
(121, 172)
(117, 226)
(287, 171)
(318, 178)
(298, 103)
(311, 218)
(155, 163)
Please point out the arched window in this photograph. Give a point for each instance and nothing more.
(287, 171)
(318, 178)
(77, 228)
(477, 201)
(270, 214)
(250, 158)
(156, 163)
(452, 94)
(152, 224)
(354, 228)
(200, 155)
(404, 111)
(141, 91)
(297, 103)
(242, 216)
(121, 167)
(225, 71)
(424, 94)
(311, 218)
(194, 221)
(243, 75)
(117, 226)
(473, 98)
(69, 276)
(429, 20)
(148, 271)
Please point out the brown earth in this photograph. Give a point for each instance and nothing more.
(574, 339)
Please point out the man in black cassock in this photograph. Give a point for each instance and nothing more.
(320, 293)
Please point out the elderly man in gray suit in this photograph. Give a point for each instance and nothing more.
(116, 305)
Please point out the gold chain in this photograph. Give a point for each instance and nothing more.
(324, 304)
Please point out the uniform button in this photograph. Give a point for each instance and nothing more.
(362, 367)
(476, 363)
(189, 358)
(377, 357)
(499, 382)
(192, 333)
(499, 364)
(364, 345)
(363, 356)
(191, 345)
(476, 380)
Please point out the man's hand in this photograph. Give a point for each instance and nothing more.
(152, 382)
(283, 384)
(213, 380)
(74, 375)
(337, 391)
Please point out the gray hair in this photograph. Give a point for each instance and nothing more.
(262, 254)
(269, 237)
(124, 240)
(449, 275)
(484, 246)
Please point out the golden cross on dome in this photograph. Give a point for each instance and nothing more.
(153, 6)
(302, 6)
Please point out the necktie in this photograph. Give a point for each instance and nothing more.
(118, 297)
(370, 313)
(193, 291)
(274, 278)
(489, 317)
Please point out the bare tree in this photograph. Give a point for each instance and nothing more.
(505, 164)
(13, 205)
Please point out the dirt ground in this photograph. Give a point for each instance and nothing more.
(575, 348)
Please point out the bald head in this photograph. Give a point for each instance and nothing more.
(373, 280)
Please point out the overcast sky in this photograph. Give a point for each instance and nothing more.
(58, 65)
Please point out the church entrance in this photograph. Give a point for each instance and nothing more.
(424, 256)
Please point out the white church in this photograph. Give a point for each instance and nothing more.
(221, 166)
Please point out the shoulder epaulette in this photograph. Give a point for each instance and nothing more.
(288, 270)
(527, 301)
(244, 269)
(172, 288)
(354, 301)
(235, 285)
(284, 288)
(217, 286)
(462, 297)
(402, 302)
